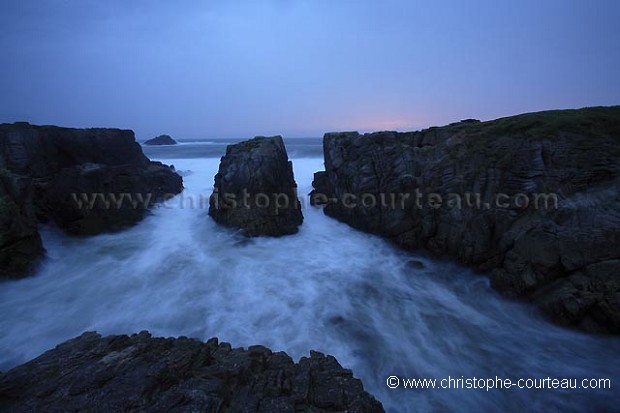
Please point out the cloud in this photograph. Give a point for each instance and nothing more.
(243, 68)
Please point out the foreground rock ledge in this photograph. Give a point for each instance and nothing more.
(255, 190)
(142, 373)
(565, 259)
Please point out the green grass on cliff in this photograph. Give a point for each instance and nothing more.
(594, 129)
(598, 121)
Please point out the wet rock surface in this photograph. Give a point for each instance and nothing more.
(20, 243)
(566, 258)
(142, 373)
(255, 190)
(86, 181)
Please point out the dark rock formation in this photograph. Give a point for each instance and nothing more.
(141, 373)
(78, 177)
(90, 198)
(255, 189)
(161, 140)
(565, 259)
(20, 243)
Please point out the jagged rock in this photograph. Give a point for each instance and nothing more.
(255, 190)
(566, 259)
(141, 373)
(161, 140)
(20, 243)
(65, 165)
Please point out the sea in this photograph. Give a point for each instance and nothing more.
(328, 288)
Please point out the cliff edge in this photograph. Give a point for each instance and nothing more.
(534, 199)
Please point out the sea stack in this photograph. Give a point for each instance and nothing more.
(255, 189)
(161, 140)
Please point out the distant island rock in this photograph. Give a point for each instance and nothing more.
(255, 189)
(140, 373)
(86, 181)
(564, 259)
(161, 140)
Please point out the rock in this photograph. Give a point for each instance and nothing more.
(20, 243)
(319, 181)
(551, 255)
(142, 373)
(66, 166)
(161, 140)
(89, 199)
(255, 190)
(415, 264)
(42, 151)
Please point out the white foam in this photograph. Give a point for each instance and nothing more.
(328, 288)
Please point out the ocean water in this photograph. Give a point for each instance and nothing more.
(328, 288)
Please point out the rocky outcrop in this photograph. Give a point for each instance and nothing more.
(161, 140)
(86, 181)
(141, 373)
(255, 190)
(91, 198)
(485, 193)
(20, 243)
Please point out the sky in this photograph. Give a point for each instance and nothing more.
(299, 68)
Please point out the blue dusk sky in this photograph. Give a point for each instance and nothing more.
(236, 69)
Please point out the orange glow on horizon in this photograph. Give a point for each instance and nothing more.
(381, 123)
